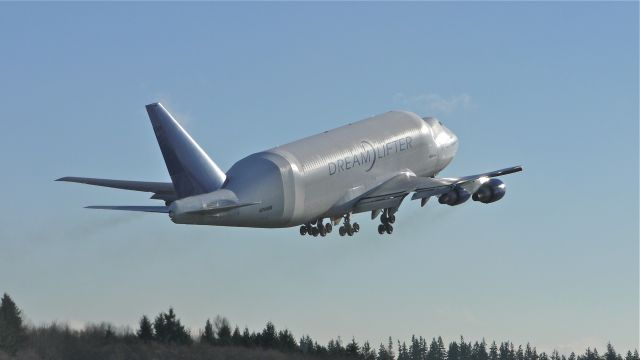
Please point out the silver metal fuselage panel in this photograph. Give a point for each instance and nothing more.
(308, 179)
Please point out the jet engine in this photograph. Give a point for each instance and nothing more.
(492, 190)
(454, 197)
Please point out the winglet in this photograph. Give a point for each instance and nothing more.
(192, 171)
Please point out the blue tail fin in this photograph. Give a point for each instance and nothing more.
(192, 171)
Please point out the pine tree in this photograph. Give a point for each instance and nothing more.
(493, 351)
(367, 353)
(403, 352)
(168, 329)
(454, 351)
(436, 350)
(247, 339)
(145, 331)
(392, 356)
(207, 336)
(236, 337)
(611, 353)
(286, 341)
(268, 337)
(223, 331)
(479, 351)
(12, 330)
(383, 354)
(352, 349)
(306, 345)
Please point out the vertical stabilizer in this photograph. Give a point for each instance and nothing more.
(192, 171)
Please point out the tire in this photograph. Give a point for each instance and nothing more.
(389, 229)
(328, 228)
(392, 219)
(383, 218)
(303, 230)
(381, 229)
(342, 231)
(350, 231)
(356, 227)
(315, 232)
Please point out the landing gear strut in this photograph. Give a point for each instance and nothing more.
(387, 218)
(348, 228)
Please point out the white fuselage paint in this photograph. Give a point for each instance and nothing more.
(310, 178)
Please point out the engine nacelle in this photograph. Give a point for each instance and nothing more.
(492, 190)
(454, 197)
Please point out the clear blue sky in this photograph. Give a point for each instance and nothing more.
(551, 86)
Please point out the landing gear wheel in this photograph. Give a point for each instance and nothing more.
(350, 231)
(392, 219)
(389, 228)
(315, 232)
(383, 217)
(328, 228)
(381, 229)
(323, 232)
(342, 231)
(303, 230)
(356, 227)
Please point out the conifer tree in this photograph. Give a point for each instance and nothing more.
(268, 337)
(367, 353)
(286, 341)
(12, 330)
(207, 336)
(236, 337)
(383, 354)
(168, 329)
(247, 340)
(454, 351)
(493, 351)
(352, 349)
(145, 331)
(223, 331)
(306, 344)
(611, 353)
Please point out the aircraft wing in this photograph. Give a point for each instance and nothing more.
(427, 187)
(391, 192)
(162, 190)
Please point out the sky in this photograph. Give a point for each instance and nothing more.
(550, 86)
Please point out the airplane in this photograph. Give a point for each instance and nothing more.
(367, 166)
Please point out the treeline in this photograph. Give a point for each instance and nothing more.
(164, 337)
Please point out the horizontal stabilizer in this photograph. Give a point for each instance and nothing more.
(154, 209)
(162, 190)
(147, 186)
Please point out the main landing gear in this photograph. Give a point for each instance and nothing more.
(315, 229)
(347, 228)
(387, 218)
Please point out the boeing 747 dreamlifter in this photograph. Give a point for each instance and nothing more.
(370, 165)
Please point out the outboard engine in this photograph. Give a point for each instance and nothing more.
(454, 197)
(492, 190)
